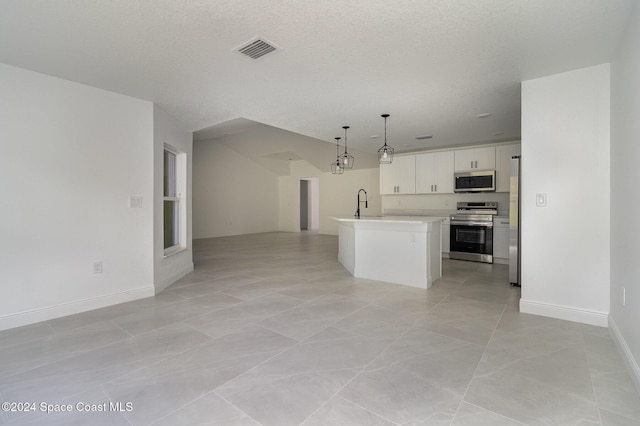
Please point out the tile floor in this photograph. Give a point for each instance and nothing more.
(270, 329)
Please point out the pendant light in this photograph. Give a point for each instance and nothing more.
(385, 153)
(336, 166)
(347, 159)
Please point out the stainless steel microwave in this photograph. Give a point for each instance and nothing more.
(475, 181)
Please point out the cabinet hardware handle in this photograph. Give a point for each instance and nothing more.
(436, 186)
(472, 164)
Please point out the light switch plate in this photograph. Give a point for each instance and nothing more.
(541, 199)
(135, 202)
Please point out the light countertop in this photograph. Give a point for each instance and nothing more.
(389, 219)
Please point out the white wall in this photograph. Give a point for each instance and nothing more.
(625, 197)
(565, 154)
(72, 155)
(169, 269)
(232, 194)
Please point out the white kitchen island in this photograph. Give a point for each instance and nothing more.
(397, 249)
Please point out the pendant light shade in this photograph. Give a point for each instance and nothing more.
(346, 158)
(336, 166)
(385, 153)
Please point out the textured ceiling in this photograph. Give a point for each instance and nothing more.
(434, 65)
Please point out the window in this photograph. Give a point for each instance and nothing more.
(173, 209)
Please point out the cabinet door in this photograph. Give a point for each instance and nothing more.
(501, 242)
(425, 173)
(399, 177)
(486, 158)
(503, 165)
(475, 159)
(446, 242)
(444, 172)
(406, 174)
(464, 160)
(388, 178)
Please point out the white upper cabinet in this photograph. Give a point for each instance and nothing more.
(434, 173)
(399, 177)
(475, 159)
(503, 165)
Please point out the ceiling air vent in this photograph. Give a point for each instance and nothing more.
(256, 48)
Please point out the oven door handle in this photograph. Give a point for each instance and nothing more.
(472, 223)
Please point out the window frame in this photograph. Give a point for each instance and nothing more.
(177, 182)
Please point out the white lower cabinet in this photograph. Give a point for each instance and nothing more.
(500, 239)
(446, 242)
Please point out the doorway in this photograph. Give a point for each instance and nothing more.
(309, 204)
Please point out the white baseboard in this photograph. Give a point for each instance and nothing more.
(600, 319)
(625, 352)
(172, 278)
(75, 307)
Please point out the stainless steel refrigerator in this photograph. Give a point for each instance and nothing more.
(514, 222)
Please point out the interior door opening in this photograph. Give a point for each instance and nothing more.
(309, 204)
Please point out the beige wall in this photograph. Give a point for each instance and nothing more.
(338, 195)
(245, 183)
(232, 195)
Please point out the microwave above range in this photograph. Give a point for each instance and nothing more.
(475, 181)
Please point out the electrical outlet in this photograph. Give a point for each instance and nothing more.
(97, 267)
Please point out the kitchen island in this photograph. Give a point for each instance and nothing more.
(397, 249)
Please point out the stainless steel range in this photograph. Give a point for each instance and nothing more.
(472, 231)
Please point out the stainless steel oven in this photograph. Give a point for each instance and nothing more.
(472, 231)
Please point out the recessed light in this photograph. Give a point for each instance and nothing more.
(483, 115)
(374, 136)
(424, 137)
(497, 133)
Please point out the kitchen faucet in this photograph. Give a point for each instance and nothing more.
(366, 203)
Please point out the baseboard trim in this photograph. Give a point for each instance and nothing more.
(167, 281)
(600, 319)
(625, 352)
(33, 316)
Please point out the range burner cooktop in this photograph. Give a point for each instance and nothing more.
(477, 207)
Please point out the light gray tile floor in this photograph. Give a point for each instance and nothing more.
(270, 330)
